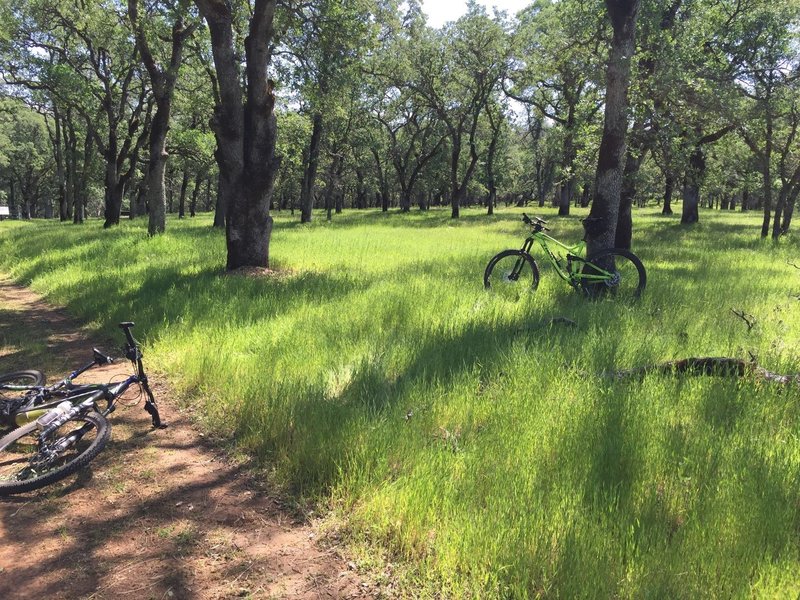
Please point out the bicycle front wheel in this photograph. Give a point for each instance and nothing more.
(511, 272)
(615, 272)
(26, 463)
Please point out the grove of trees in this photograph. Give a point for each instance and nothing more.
(147, 107)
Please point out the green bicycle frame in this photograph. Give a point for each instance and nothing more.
(572, 272)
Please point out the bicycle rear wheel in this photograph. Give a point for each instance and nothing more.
(616, 272)
(27, 464)
(10, 399)
(29, 378)
(511, 272)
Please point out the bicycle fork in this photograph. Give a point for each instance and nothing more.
(150, 405)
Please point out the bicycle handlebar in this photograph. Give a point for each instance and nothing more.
(536, 222)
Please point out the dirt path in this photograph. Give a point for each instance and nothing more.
(158, 514)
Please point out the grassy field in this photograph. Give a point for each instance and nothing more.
(457, 432)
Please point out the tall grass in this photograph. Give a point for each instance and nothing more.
(462, 432)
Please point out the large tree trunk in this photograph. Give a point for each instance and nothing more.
(496, 123)
(491, 180)
(787, 215)
(691, 188)
(228, 120)
(182, 196)
(310, 170)
(361, 195)
(163, 82)
(669, 187)
(139, 202)
(779, 207)
(634, 159)
(459, 186)
(219, 206)
(246, 133)
(198, 179)
(112, 196)
(58, 147)
(82, 183)
(156, 170)
(455, 189)
(766, 176)
(383, 182)
(330, 185)
(71, 164)
(567, 174)
(601, 227)
(13, 211)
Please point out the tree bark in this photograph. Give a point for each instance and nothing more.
(634, 159)
(155, 189)
(163, 82)
(59, 144)
(567, 175)
(246, 133)
(691, 189)
(330, 185)
(382, 182)
(495, 122)
(601, 227)
(13, 211)
(310, 171)
(669, 187)
(198, 179)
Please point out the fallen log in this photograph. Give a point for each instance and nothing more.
(709, 365)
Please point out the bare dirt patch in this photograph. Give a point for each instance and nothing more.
(159, 514)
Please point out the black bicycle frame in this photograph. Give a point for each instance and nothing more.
(66, 390)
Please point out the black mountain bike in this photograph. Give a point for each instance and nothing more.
(63, 426)
(614, 270)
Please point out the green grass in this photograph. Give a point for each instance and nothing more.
(453, 429)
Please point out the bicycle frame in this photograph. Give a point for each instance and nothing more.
(572, 272)
(65, 390)
(77, 394)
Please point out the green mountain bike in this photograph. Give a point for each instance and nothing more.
(612, 271)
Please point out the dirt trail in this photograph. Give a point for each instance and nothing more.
(158, 514)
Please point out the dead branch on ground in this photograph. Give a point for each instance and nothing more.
(714, 365)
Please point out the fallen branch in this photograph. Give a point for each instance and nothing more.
(749, 319)
(720, 366)
(791, 264)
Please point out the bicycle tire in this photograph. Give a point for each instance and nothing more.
(31, 378)
(21, 446)
(502, 277)
(10, 400)
(630, 276)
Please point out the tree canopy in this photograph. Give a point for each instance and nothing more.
(375, 108)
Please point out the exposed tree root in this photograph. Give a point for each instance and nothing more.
(720, 366)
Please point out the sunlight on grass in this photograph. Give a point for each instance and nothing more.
(465, 433)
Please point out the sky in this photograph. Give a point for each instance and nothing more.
(441, 11)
